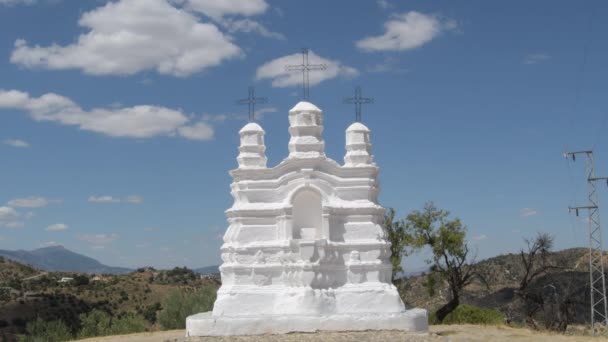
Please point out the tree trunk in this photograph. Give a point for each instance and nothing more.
(447, 309)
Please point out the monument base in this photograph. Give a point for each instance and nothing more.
(205, 324)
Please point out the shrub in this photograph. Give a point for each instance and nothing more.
(94, 323)
(128, 324)
(470, 314)
(178, 305)
(100, 323)
(43, 331)
(150, 312)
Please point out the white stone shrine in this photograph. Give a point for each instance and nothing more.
(305, 249)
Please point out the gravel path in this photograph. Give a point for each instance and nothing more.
(443, 333)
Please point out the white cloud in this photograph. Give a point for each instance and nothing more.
(49, 244)
(135, 199)
(14, 224)
(480, 237)
(407, 31)
(29, 202)
(535, 58)
(10, 218)
(219, 8)
(57, 227)
(275, 70)
(199, 131)
(129, 36)
(527, 212)
(16, 2)
(260, 113)
(389, 64)
(384, 4)
(142, 121)
(103, 199)
(8, 214)
(98, 239)
(250, 26)
(17, 143)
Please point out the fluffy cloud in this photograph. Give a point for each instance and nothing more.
(250, 26)
(198, 131)
(98, 239)
(480, 237)
(135, 199)
(535, 58)
(16, 2)
(527, 212)
(29, 202)
(57, 227)
(129, 36)
(103, 199)
(406, 31)
(16, 143)
(223, 12)
(219, 8)
(275, 70)
(10, 218)
(143, 121)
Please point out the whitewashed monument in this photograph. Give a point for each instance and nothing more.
(305, 249)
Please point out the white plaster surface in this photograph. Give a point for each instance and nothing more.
(305, 249)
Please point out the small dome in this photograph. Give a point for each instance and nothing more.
(305, 106)
(357, 127)
(251, 127)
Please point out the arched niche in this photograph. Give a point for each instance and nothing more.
(307, 214)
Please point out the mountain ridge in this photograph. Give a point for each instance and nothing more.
(61, 259)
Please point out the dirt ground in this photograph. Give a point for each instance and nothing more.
(442, 333)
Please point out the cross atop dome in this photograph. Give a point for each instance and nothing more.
(358, 100)
(305, 68)
(251, 101)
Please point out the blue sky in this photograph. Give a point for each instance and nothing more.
(118, 123)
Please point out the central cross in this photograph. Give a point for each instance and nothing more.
(305, 68)
(358, 100)
(251, 100)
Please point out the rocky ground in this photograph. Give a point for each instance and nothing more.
(444, 333)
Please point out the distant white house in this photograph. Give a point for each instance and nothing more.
(65, 280)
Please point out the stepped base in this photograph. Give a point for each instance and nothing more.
(205, 324)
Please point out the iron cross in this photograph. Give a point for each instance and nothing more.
(358, 100)
(305, 68)
(251, 101)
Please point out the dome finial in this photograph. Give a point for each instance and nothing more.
(358, 100)
(251, 100)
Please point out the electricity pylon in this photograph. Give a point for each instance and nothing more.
(599, 306)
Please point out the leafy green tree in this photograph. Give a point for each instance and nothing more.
(179, 304)
(150, 312)
(43, 331)
(399, 239)
(432, 228)
(94, 323)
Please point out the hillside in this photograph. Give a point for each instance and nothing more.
(26, 293)
(501, 275)
(57, 258)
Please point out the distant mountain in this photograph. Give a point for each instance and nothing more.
(58, 258)
(208, 270)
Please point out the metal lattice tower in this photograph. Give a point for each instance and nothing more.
(251, 101)
(358, 100)
(597, 281)
(305, 68)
